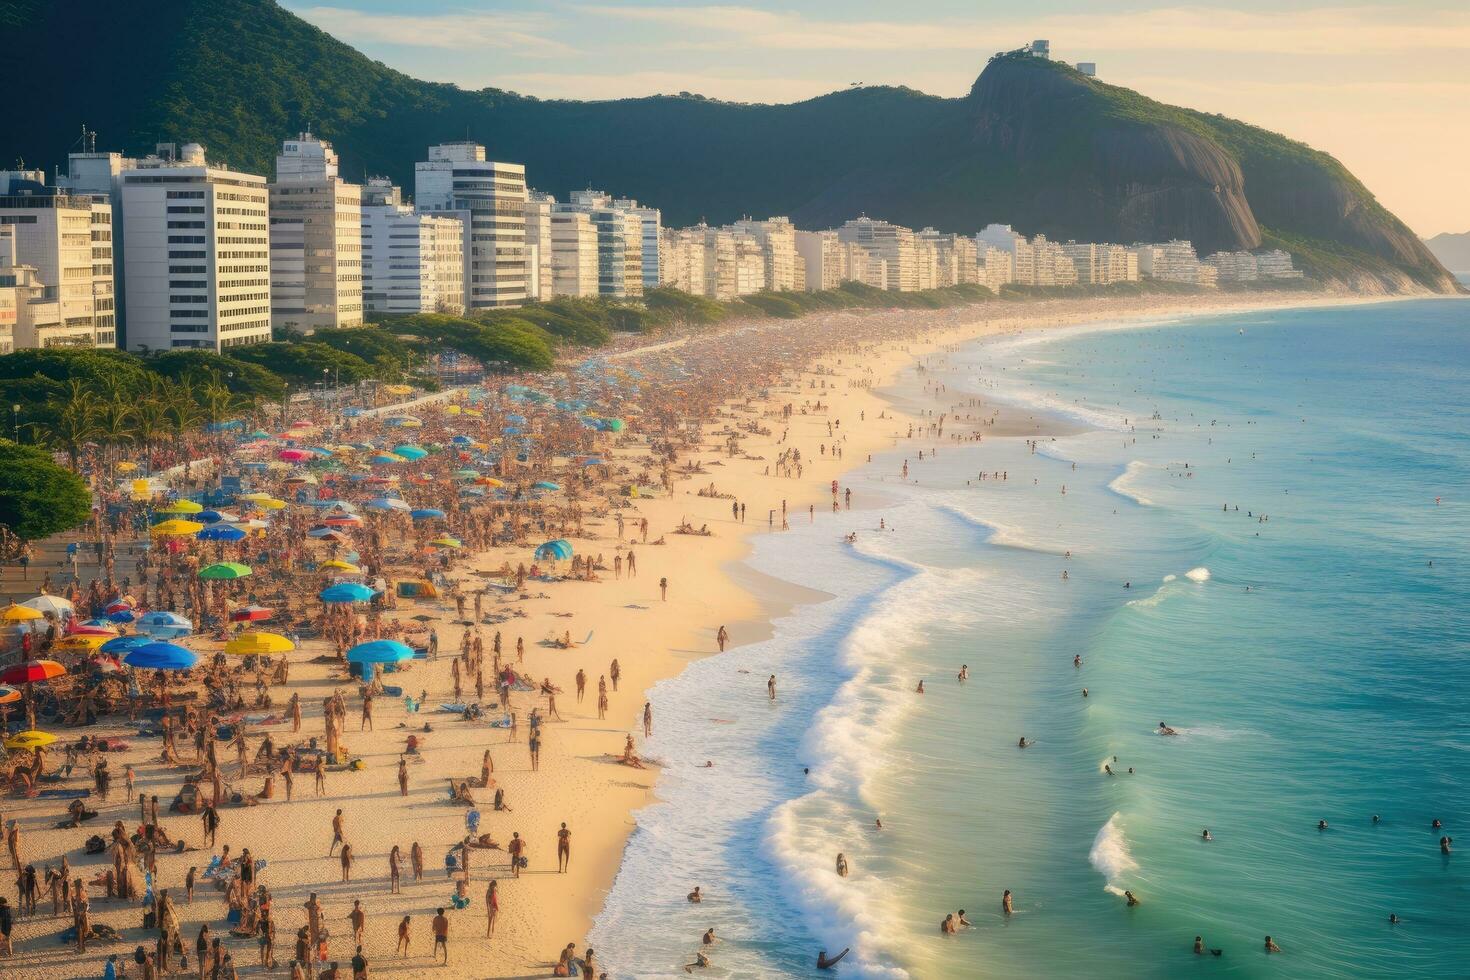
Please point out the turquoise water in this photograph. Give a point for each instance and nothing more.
(1312, 660)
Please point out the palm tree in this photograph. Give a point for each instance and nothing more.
(181, 408)
(75, 425)
(116, 424)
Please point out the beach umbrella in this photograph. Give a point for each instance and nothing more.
(225, 570)
(220, 532)
(385, 459)
(462, 440)
(346, 592)
(251, 614)
(343, 520)
(81, 642)
(247, 644)
(490, 481)
(124, 644)
(447, 542)
(178, 528)
(426, 513)
(9, 695)
(117, 604)
(209, 517)
(30, 740)
(271, 503)
(338, 564)
(120, 616)
(387, 503)
(92, 627)
(593, 461)
(397, 389)
(326, 534)
(182, 507)
(20, 614)
(31, 672)
(409, 451)
(560, 549)
(161, 656)
(472, 491)
(255, 497)
(161, 623)
(466, 474)
(47, 603)
(380, 652)
(126, 467)
(545, 485)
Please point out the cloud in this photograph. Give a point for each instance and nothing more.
(1326, 31)
(522, 33)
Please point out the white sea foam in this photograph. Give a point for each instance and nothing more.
(1200, 574)
(1110, 856)
(1124, 483)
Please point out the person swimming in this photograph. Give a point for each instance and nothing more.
(1023, 743)
(1205, 834)
(826, 963)
(1271, 946)
(1166, 730)
(1132, 899)
(1321, 824)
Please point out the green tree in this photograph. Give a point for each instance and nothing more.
(37, 497)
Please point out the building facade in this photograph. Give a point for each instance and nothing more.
(198, 262)
(411, 262)
(316, 240)
(458, 178)
(894, 244)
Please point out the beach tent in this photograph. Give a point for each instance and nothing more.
(558, 550)
(161, 656)
(346, 592)
(417, 590)
(225, 570)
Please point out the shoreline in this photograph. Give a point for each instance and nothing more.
(709, 585)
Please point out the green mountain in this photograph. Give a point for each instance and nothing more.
(1034, 144)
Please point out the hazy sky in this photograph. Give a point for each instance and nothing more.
(1385, 87)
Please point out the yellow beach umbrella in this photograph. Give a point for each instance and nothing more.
(181, 507)
(247, 644)
(271, 503)
(178, 528)
(255, 497)
(453, 410)
(81, 642)
(397, 389)
(19, 614)
(340, 565)
(490, 481)
(447, 542)
(29, 740)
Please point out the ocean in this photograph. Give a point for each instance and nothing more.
(1254, 531)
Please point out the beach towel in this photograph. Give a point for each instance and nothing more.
(452, 708)
(500, 722)
(65, 794)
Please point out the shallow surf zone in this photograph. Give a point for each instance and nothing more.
(1110, 856)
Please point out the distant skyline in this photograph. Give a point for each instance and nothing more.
(1384, 89)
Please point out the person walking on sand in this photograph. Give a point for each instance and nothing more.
(416, 859)
(441, 935)
(346, 861)
(581, 684)
(492, 906)
(337, 837)
(614, 672)
(395, 870)
(515, 849)
(663, 589)
(403, 936)
(647, 719)
(358, 918)
(402, 776)
(563, 849)
(722, 636)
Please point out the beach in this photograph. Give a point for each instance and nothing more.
(827, 400)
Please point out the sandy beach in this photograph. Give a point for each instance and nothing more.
(825, 402)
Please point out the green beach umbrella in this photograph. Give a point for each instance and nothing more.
(225, 570)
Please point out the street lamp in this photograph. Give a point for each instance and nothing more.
(15, 415)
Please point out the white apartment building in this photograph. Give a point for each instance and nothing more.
(198, 258)
(1276, 264)
(456, 178)
(777, 239)
(66, 239)
(574, 252)
(997, 268)
(1233, 266)
(821, 253)
(750, 264)
(411, 262)
(619, 244)
(1173, 261)
(316, 240)
(682, 259)
(539, 275)
(100, 175)
(652, 221)
(1022, 263)
(894, 244)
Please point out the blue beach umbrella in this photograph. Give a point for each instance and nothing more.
(120, 616)
(161, 656)
(387, 503)
(378, 652)
(346, 592)
(426, 513)
(162, 624)
(560, 549)
(545, 485)
(221, 532)
(125, 644)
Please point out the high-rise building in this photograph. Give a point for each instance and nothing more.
(619, 244)
(894, 244)
(316, 240)
(821, 252)
(411, 262)
(539, 274)
(66, 239)
(777, 238)
(198, 258)
(458, 178)
(652, 222)
(1173, 261)
(99, 174)
(574, 252)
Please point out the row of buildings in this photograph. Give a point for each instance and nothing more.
(174, 250)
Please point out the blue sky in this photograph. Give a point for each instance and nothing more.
(1382, 86)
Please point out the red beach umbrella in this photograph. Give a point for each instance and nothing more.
(251, 614)
(31, 672)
